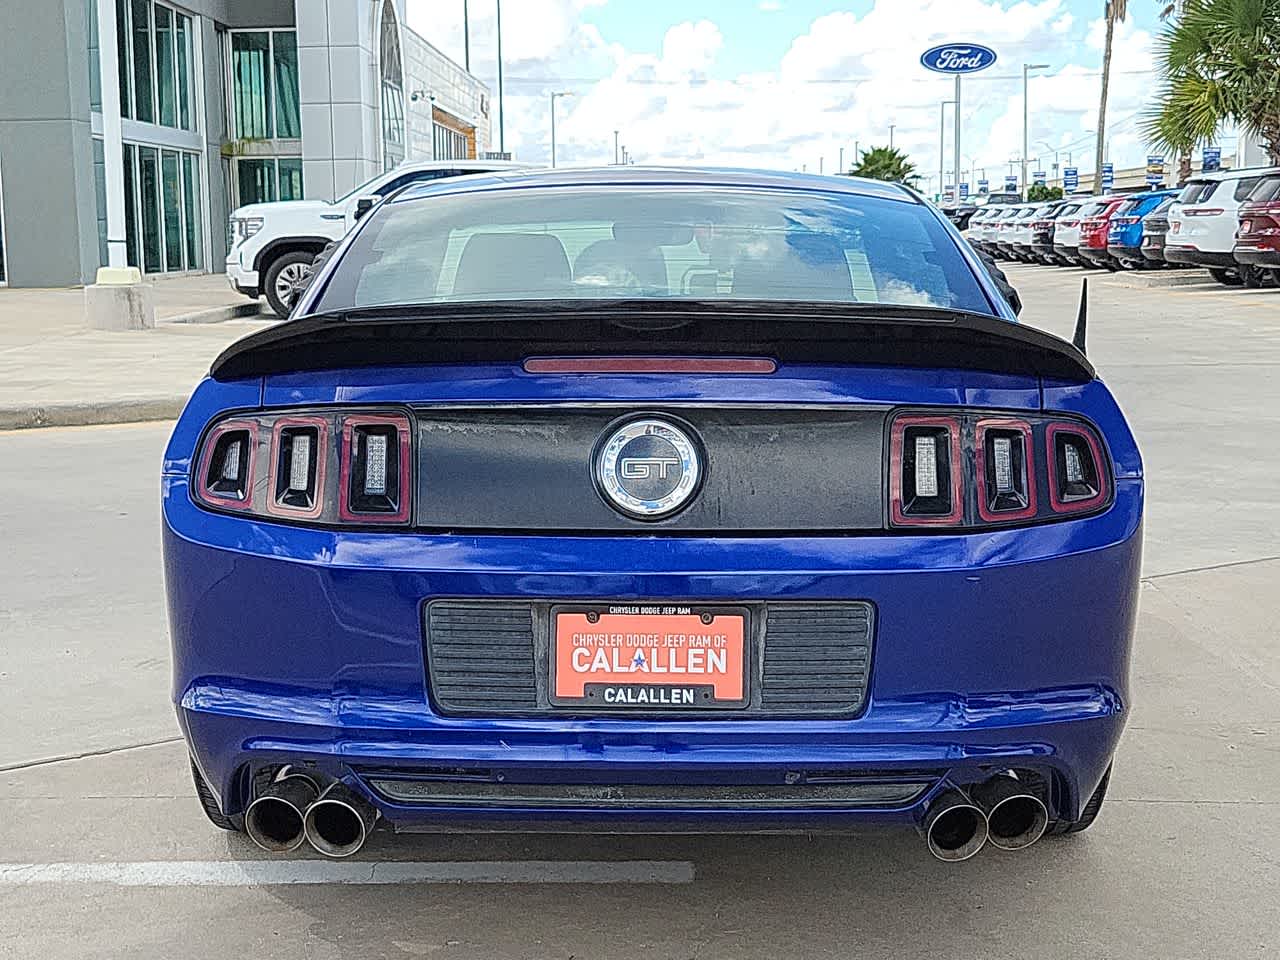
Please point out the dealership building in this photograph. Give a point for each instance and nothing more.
(141, 124)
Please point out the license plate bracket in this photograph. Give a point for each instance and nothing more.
(642, 657)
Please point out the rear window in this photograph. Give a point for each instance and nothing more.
(1197, 191)
(1068, 210)
(1163, 206)
(1245, 187)
(674, 241)
(1126, 207)
(1027, 214)
(1266, 190)
(1092, 209)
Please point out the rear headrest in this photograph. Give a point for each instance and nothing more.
(512, 265)
(805, 267)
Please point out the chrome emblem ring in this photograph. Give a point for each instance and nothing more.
(648, 469)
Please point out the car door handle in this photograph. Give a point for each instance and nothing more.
(333, 216)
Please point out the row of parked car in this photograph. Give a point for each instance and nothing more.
(1228, 222)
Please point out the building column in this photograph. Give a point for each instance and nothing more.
(112, 138)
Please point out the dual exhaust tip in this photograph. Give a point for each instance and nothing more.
(1001, 810)
(334, 819)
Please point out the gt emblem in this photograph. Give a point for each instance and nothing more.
(642, 468)
(648, 469)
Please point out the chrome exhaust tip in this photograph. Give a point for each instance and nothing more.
(339, 822)
(954, 828)
(274, 820)
(1016, 818)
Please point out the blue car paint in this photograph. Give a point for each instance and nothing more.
(292, 642)
(1130, 235)
(992, 649)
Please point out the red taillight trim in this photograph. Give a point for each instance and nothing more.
(322, 457)
(980, 468)
(896, 437)
(1051, 462)
(349, 423)
(202, 473)
(740, 365)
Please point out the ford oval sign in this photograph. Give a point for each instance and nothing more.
(958, 58)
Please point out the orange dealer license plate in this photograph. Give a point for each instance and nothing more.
(642, 657)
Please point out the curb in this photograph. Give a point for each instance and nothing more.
(250, 308)
(91, 413)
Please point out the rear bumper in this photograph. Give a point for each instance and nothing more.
(1067, 253)
(1005, 649)
(1095, 254)
(1197, 258)
(1119, 252)
(1153, 248)
(1257, 256)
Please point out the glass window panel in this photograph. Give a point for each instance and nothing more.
(165, 60)
(144, 109)
(171, 193)
(288, 116)
(95, 61)
(122, 58)
(186, 89)
(290, 178)
(149, 202)
(131, 205)
(257, 181)
(251, 94)
(100, 195)
(191, 207)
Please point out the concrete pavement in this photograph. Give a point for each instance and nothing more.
(54, 370)
(1181, 864)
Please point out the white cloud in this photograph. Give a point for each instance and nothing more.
(844, 80)
(769, 6)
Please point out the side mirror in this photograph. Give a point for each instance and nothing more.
(365, 204)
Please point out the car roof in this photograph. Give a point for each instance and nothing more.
(659, 176)
(1240, 173)
(480, 166)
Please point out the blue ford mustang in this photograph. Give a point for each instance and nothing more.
(652, 500)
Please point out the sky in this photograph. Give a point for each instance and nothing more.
(788, 84)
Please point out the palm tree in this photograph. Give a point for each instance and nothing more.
(1219, 65)
(885, 163)
(1116, 11)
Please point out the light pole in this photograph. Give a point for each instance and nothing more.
(892, 127)
(556, 93)
(466, 37)
(1026, 76)
(841, 170)
(502, 113)
(615, 148)
(942, 146)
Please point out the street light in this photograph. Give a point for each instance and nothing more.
(615, 148)
(1026, 76)
(942, 148)
(502, 113)
(892, 127)
(556, 93)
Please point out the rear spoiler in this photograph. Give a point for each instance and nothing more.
(512, 331)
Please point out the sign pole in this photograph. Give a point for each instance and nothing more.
(957, 180)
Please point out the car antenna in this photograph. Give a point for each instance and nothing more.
(1077, 338)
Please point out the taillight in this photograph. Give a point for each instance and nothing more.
(225, 473)
(1005, 469)
(299, 447)
(328, 467)
(1202, 211)
(1077, 478)
(975, 469)
(375, 469)
(924, 471)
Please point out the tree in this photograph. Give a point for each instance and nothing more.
(1219, 64)
(1041, 192)
(885, 163)
(1116, 10)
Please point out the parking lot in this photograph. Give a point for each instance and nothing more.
(104, 851)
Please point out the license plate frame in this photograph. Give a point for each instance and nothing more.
(651, 690)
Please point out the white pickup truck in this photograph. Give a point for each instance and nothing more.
(271, 245)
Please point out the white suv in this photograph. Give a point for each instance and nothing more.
(271, 245)
(1203, 221)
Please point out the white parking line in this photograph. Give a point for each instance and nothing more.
(252, 873)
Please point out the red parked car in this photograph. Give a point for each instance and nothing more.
(1095, 224)
(1258, 237)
